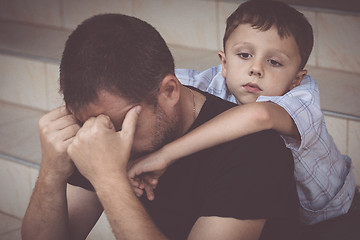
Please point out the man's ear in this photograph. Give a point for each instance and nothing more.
(169, 92)
(297, 80)
(222, 57)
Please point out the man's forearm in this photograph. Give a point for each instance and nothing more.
(127, 217)
(47, 215)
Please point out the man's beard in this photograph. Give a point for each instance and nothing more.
(164, 131)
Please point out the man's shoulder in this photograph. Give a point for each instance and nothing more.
(215, 104)
(260, 147)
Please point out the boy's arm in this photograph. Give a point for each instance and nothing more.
(231, 124)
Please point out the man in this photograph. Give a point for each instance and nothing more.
(117, 77)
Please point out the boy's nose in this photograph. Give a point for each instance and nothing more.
(253, 72)
(257, 70)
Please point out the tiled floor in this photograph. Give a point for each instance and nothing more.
(10, 227)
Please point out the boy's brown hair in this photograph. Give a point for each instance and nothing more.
(264, 14)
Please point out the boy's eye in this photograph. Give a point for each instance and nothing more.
(245, 55)
(274, 63)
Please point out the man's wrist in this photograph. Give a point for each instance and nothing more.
(105, 188)
(107, 182)
(52, 177)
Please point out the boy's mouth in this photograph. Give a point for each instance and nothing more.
(252, 87)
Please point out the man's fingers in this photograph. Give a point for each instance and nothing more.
(64, 122)
(88, 123)
(70, 131)
(56, 113)
(68, 141)
(57, 119)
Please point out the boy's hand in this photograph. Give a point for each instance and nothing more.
(144, 173)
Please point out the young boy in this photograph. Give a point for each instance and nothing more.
(266, 46)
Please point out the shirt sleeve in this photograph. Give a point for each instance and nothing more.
(200, 80)
(303, 105)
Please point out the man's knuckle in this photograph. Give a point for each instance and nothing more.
(79, 136)
(42, 123)
(103, 117)
(51, 138)
(59, 147)
(69, 149)
(93, 131)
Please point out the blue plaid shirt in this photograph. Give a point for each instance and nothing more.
(324, 178)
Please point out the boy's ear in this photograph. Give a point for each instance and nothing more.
(222, 57)
(169, 92)
(297, 80)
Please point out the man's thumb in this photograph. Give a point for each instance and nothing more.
(129, 123)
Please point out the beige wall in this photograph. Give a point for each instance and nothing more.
(198, 24)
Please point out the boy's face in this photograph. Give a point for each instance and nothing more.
(260, 63)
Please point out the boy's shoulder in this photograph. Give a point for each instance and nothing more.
(199, 79)
(209, 80)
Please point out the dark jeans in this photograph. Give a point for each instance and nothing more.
(345, 227)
